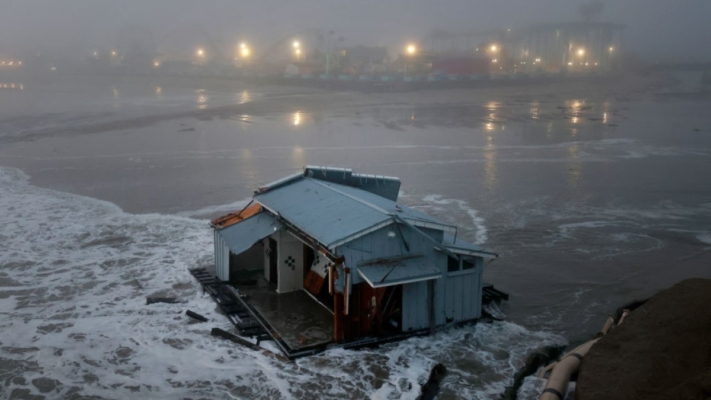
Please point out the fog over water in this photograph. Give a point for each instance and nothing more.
(590, 181)
(663, 30)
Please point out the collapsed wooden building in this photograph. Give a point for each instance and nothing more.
(329, 257)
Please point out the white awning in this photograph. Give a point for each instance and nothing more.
(244, 234)
(399, 272)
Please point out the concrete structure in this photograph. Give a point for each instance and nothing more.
(373, 267)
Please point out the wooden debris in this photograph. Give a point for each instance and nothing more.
(196, 316)
(233, 338)
(169, 300)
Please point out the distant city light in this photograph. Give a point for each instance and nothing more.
(156, 64)
(242, 45)
(494, 48)
(612, 49)
(296, 44)
(570, 63)
(201, 53)
(494, 60)
(581, 52)
(297, 52)
(96, 53)
(113, 53)
(245, 52)
(411, 49)
(538, 60)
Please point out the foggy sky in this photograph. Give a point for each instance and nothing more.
(658, 29)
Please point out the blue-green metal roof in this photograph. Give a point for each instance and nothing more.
(318, 209)
(332, 213)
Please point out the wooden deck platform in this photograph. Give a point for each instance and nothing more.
(296, 322)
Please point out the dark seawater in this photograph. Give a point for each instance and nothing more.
(592, 199)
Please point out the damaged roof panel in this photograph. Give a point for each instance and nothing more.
(461, 246)
(233, 218)
(405, 270)
(239, 237)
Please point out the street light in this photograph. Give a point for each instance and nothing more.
(494, 48)
(201, 53)
(296, 44)
(411, 49)
(244, 50)
(113, 53)
(156, 64)
(581, 52)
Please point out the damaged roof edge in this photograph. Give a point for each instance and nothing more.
(279, 183)
(483, 254)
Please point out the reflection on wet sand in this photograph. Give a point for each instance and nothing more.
(574, 166)
(244, 97)
(490, 153)
(297, 157)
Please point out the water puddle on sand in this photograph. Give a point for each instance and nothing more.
(74, 273)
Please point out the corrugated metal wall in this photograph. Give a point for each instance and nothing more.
(222, 258)
(414, 306)
(378, 245)
(457, 295)
(462, 294)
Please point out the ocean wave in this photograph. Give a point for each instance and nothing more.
(75, 272)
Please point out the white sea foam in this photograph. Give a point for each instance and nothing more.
(704, 237)
(216, 209)
(478, 222)
(73, 311)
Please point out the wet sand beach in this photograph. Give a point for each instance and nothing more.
(594, 193)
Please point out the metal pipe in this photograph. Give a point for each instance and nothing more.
(557, 384)
(608, 325)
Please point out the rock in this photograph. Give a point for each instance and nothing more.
(661, 351)
(45, 385)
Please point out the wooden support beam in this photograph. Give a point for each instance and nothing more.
(337, 324)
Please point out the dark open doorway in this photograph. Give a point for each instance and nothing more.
(273, 261)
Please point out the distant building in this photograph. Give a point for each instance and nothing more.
(461, 65)
(365, 60)
(572, 46)
(328, 256)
